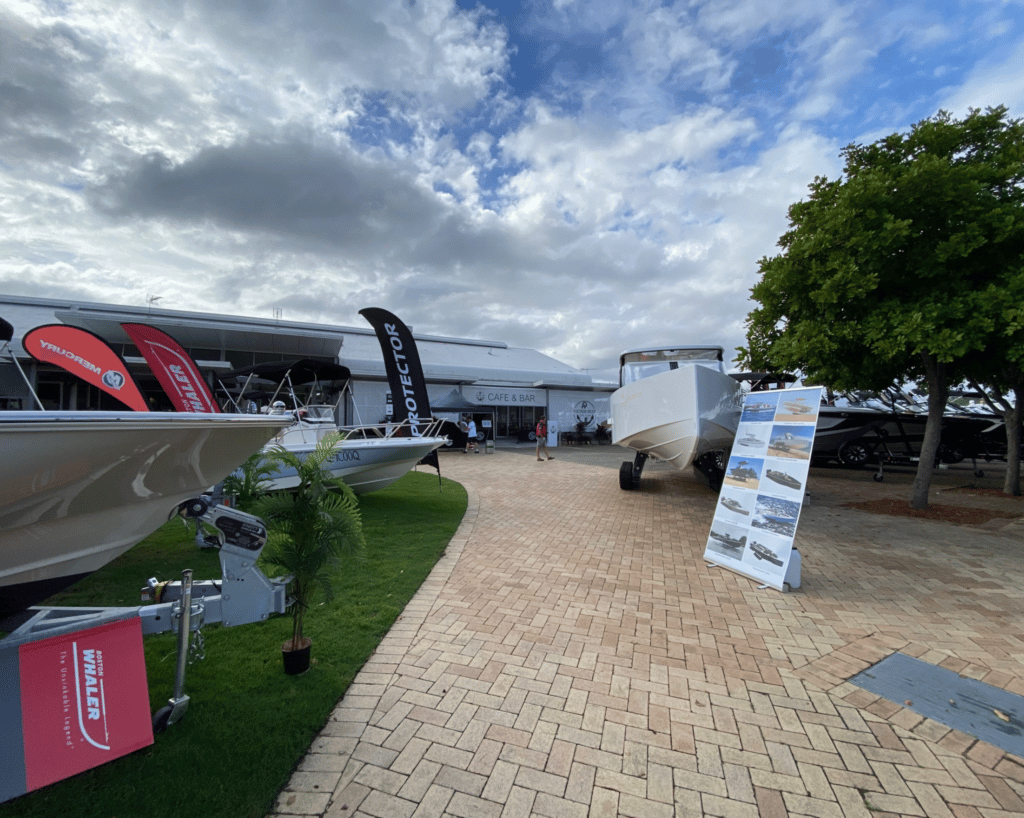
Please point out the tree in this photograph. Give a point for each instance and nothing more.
(310, 527)
(900, 270)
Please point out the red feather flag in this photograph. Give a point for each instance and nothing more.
(174, 368)
(86, 355)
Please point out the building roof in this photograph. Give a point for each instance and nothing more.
(444, 359)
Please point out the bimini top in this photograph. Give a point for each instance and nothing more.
(298, 370)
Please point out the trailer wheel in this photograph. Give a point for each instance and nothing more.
(979, 473)
(878, 478)
(854, 453)
(161, 718)
(626, 476)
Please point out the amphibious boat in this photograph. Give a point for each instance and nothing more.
(676, 404)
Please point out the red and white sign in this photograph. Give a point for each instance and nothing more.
(174, 368)
(84, 700)
(86, 355)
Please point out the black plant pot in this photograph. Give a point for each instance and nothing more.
(296, 661)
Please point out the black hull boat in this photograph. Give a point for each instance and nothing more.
(856, 436)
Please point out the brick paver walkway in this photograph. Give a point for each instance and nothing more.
(573, 655)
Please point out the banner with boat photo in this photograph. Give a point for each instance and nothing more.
(764, 487)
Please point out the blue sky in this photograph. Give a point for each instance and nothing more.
(575, 177)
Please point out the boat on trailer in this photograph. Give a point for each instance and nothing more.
(80, 488)
(678, 405)
(368, 457)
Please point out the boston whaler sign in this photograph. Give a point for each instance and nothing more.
(77, 701)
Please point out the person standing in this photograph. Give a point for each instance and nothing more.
(542, 438)
(471, 436)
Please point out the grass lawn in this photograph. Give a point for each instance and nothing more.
(248, 724)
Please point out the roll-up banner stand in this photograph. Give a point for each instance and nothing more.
(764, 487)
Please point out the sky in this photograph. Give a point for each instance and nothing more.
(575, 177)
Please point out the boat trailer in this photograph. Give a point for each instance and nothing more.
(242, 596)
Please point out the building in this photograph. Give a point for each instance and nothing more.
(514, 386)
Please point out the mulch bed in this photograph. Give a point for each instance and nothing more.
(960, 515)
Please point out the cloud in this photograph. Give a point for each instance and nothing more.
(578, 178)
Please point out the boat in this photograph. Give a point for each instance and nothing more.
(727, 541)
(742, 472)
(879, 431)
(783, 479)
(733, 505)
(79, 488)
(678, 405)
(797, 407)
(788, 443)
(368, 457)
(763, 552)
(750, 441)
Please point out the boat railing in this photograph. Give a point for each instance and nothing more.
(386, 431)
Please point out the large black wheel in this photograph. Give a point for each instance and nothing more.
(626, 476)
(854, 453)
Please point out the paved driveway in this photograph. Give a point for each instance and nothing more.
(573, 655)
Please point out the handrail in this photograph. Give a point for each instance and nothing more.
(389, 430)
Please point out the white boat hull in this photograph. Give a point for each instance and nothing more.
(678, 416)
(365, 465)
(80, 488)
(368, 458)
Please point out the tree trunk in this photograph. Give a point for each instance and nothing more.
(1012, 418)
(938, 394)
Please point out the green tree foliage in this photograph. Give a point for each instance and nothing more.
(310, 527)
(904, 269)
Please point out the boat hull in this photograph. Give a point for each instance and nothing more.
(875, 434)
(81, 488)
(364, 465)
(678, 416)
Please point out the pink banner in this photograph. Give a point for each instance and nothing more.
(84, 700)
(174, 368)
(86, 355)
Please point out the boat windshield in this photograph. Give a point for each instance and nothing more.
(316, 413)
(637, 365)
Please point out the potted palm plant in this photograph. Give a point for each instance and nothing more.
(249, 482)
(309, 529)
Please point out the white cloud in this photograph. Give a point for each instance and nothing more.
(618, 189)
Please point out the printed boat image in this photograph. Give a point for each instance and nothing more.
(783, 479)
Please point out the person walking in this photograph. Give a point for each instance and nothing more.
(542, 438)
(471, 436)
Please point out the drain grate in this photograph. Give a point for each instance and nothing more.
(964, 704)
